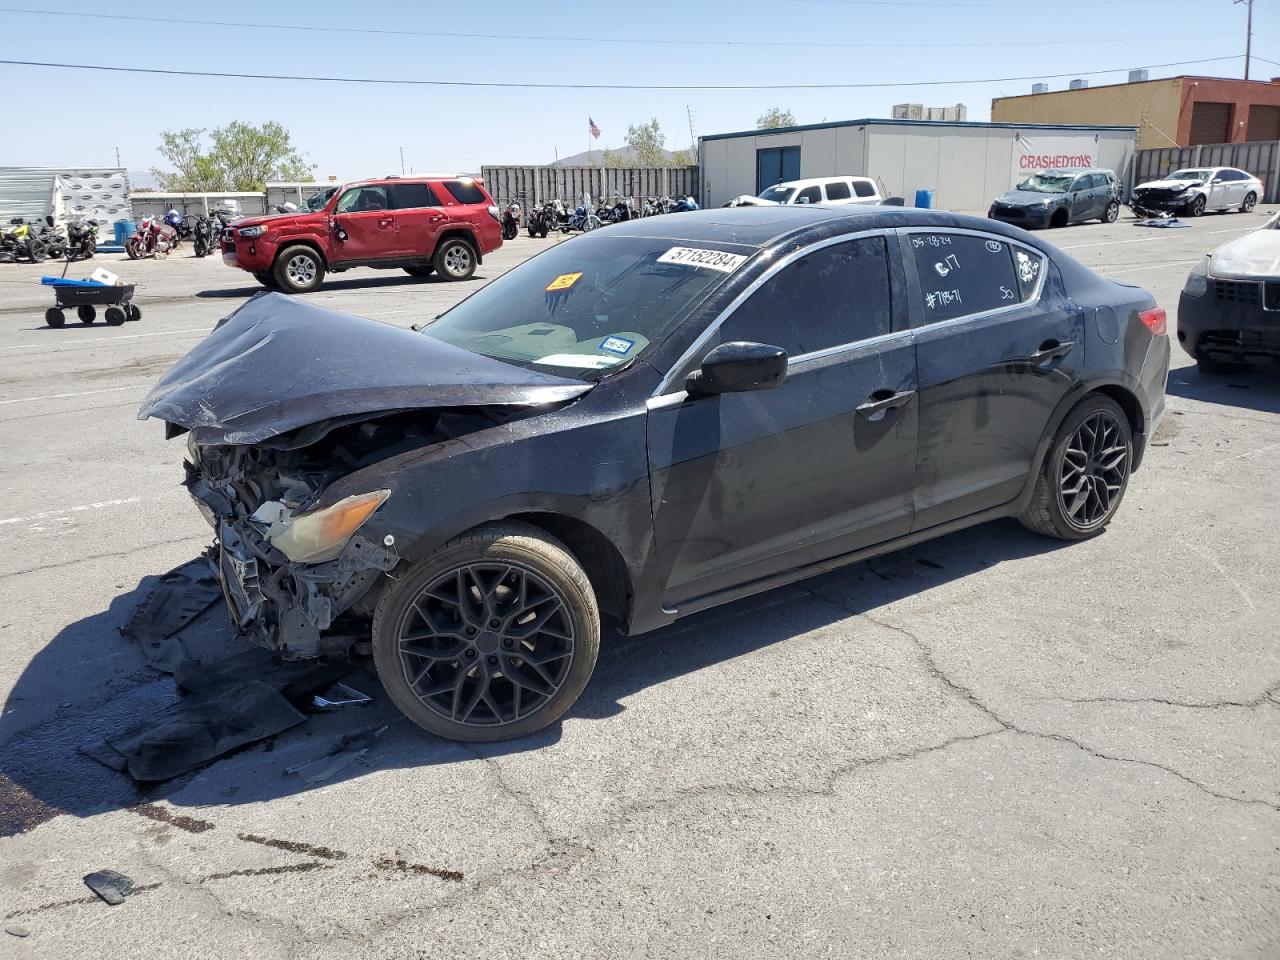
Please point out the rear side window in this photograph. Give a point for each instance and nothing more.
(962, 274)
(465, 191)
(809, 195)
(833, 296)
(837, 190)
(407, 196)
(863, 188)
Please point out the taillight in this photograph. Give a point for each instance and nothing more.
(1154, 319)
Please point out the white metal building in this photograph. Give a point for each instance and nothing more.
(965, 164)
(33, 193)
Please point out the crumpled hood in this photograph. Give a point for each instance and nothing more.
(1168, 184)
(278, 364)
(1027, 198)
(1254, 256)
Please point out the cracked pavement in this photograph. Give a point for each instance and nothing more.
(991, 745)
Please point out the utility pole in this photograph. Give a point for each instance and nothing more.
(1248, 34)
(693, 144)
(117, 157)
(402, 161)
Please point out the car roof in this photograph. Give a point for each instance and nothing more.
(770, 225)
(817, 181)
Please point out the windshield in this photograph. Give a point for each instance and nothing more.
(1189, 175)
(317, 201)
(588, 306)
(1048, 182)
(778, 194)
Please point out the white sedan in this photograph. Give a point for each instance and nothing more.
(826, 190)
(1197, 190)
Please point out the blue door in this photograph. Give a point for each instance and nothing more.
(776, 165)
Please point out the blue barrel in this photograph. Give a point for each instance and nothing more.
(126, 229)
(924, 199)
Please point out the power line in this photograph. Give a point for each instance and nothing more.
(624, 40)
(955, 4)
(591, 86)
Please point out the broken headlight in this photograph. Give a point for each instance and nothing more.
(319, 535)
(1198, 280)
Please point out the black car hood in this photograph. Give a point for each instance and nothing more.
(1026, 198)
(278, 364)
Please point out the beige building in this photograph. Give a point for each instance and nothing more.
(1177, 111)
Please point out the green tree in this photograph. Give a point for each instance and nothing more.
(775, 117)
(682, 158)
(646, 141)
(241, 157)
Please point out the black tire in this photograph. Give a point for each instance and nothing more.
(420, 271)
(1060, 218)
(1112, 213)
(543, 233)
(1095, 490)
(509, 231)
(455, 259)
(484, 697)
(298, 269)
(1197, 206)
(134, 312)
(533, 231)
(266, 278)
(37, 252)
(55, 317)
(115, 316)
(86, 313)
(1250, 201)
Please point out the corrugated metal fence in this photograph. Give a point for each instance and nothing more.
(1260, 159)
(532, 185)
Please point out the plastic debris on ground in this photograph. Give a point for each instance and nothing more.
(339, 695)
(1161, 222)
(346, 751)
(17, 931)
(112, 887)
(177, 598)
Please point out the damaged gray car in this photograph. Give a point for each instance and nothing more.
(645, 422)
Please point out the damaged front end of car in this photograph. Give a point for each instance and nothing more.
(282, 400)
(1162, 199)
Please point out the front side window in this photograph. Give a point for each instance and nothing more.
(409, 196)
(964, 274)
(809, 195)
(837, 190)
(778, 194)
(363, 198)
(833, 296)
(590, 306)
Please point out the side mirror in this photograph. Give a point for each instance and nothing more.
(738, 367)
(1216, 180)
(338, 232)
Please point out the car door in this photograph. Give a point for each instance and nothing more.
(419, 218)
(1218, 190)
(998, 345)
(1237, 184)
(365, 225)
(1080, 198)
(749, 485)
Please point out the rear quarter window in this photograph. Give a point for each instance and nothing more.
(464, 191)
(963, 274)
(863, 188)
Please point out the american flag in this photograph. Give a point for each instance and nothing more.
(591, 126)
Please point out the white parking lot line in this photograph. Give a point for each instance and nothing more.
(106, 340)
(78, 508)
(66, 396)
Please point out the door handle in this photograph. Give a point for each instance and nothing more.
(437, 217)
(1050, 350)
(882, 401)
(384, 222)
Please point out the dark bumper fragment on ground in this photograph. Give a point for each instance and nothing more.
(112, 887)
(174, 602)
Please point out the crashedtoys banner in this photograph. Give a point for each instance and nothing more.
(1038, 153)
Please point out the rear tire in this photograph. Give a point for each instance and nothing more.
(55, 317)
(455, 259)
(134, 312)
(115, 316)
(1085, 472)
(86, 313)
(454, 675)
(1112, 213)
(298, 269)
(1250, 201)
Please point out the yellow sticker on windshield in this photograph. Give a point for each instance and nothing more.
(564, 281)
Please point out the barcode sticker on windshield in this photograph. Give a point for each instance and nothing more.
(710, 259)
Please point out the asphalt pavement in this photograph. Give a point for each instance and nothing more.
(992, 745)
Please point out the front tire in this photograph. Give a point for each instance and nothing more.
(115, 316)
(298, 269)
(1059, 219)
(266, 278)
(1250, 201)
(492, 637)
(420, 272)
(1085, 472)
(454, 259)
(1197, 206)
(86, 314)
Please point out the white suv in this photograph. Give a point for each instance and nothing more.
(828, 190)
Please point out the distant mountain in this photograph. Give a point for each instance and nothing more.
(593, 158)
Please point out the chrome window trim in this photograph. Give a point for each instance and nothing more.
(760, 281)
(995, 311)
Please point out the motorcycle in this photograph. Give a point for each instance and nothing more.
(619, 212)
(204, 236)
(82, 239)
(582, 219)
(54, 240)
(179, 225)
(510, 220)
(541, 220)
(20, 242)
(154, 238)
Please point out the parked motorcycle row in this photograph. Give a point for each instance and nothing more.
(554, 215)
(157, 238)
(36, 242)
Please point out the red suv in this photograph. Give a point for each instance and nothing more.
(422, 224)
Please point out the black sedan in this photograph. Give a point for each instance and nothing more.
(644, 422)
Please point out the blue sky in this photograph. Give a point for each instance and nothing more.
(75, 118)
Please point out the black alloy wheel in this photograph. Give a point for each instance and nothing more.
(491, 638)
(1085, 472)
